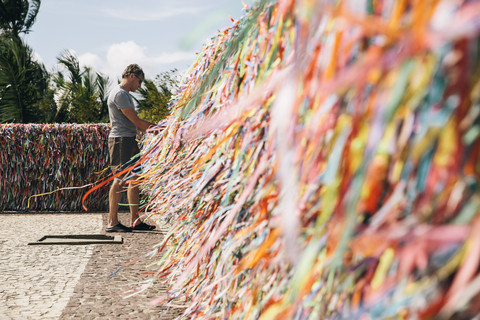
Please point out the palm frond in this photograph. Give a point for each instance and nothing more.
(18, 16)
(11, 76)
(23, 82)
(34, 8)
(71, 63)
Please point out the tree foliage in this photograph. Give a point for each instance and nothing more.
(82, 93)
(23, 82)
(155, 98)
(18, 16)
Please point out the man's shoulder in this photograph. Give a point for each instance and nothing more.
(120, 98)
(116, 90)
(118, 94)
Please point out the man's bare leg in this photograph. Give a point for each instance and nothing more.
(133, 196)
(114, 197)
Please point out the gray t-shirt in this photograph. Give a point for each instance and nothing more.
(119, 98)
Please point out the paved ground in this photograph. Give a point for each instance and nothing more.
(71, 281)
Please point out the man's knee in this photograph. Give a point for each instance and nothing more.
(119, 183)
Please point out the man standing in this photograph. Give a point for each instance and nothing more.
(122, 146)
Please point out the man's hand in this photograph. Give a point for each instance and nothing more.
(156, 128)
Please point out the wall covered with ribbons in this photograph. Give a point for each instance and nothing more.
(46, 167)
(321, 162)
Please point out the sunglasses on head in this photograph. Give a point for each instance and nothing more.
(139, 80)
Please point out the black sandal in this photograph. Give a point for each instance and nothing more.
(143, 226)
(118, 228)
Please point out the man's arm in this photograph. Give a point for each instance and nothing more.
(131, 114)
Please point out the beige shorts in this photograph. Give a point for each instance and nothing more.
(122, 151)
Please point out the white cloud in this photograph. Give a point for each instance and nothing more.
(120, 55)
(90, 60)
(37, 57)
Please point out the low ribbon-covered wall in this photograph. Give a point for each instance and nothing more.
(43, 167)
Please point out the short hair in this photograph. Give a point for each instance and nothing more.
(133, 68)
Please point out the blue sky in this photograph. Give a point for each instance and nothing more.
(110, 34)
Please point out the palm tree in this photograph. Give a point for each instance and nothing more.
(82, 92)
(103, 85)
(18, 16)
(23, 82)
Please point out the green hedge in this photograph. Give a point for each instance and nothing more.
(37, 159)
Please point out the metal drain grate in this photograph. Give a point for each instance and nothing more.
(77, 239)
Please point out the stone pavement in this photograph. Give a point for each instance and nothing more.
(71, 281)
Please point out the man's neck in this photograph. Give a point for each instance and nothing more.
(124, 85)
